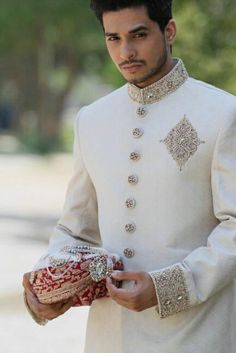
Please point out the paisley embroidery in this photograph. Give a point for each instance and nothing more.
(182, 142)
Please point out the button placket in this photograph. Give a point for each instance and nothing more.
(133, 179)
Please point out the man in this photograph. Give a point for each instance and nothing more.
(155, 181)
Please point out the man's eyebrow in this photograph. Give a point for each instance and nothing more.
(132, 31)
(139, 28)
(108, 34)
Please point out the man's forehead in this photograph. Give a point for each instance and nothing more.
(126, 20)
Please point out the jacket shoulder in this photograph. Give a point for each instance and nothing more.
(211, 92)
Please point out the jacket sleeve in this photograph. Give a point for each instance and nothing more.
(79, 219)
(206, 270)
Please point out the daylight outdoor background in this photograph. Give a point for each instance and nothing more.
(52, 62)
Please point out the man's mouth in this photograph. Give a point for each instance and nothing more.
(131, 67)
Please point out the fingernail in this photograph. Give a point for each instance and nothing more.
(115, 274)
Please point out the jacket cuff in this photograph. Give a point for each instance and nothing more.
(41, 322)
(171, 290)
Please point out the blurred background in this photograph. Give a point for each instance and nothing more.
(52, 62)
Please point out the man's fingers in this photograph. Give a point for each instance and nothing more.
(118, 293)
(125, 298)
(47, 311)
(26, 282)
(125, 276)
(31, 297)
(57, 309)
(34, 304)
(66, 306)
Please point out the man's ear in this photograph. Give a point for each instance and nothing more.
(170, 31)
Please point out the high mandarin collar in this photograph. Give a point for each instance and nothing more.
(160, 89)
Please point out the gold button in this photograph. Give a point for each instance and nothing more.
(134, 156)
(137, 133)
(133, 179)
(129, 253)
(130, 203)
(130, 227)
(141, 112)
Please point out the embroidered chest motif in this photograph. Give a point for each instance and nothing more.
(182, 142)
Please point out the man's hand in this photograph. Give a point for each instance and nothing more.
(142, 296)
(44, 311)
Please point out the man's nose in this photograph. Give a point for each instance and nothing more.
(127, 51)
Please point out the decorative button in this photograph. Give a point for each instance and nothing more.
(137, 133)
(130, 227)
(130, 203)
(141, 112)
(129, 253)
(134, 156)
(133, 179)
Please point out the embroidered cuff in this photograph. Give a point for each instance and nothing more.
(41, 322)
(171, 290)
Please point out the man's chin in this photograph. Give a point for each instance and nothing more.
(134, 79)
(137, 80)
(141, 81)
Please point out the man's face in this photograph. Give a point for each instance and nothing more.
(137, 46)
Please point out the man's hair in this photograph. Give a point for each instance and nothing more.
(159, 11)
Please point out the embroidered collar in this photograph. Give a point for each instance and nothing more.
(158, 90)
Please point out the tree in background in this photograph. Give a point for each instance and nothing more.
(45, 45)
(206, 40)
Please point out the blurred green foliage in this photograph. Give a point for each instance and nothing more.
(46, 45)
(206, 40)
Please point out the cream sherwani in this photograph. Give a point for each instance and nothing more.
(155, 181)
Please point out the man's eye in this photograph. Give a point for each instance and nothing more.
(112, 39)
(140, 35)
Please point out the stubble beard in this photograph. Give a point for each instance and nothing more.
(157, 69)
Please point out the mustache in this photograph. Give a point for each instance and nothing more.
(130, 62)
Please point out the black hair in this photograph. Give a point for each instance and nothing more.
(159, 11)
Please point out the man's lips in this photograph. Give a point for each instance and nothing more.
(131, 67)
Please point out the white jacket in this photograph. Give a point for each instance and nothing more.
(176, 214)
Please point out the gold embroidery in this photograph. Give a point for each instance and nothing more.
(182, 142)
(171, 290)
(158, 90)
